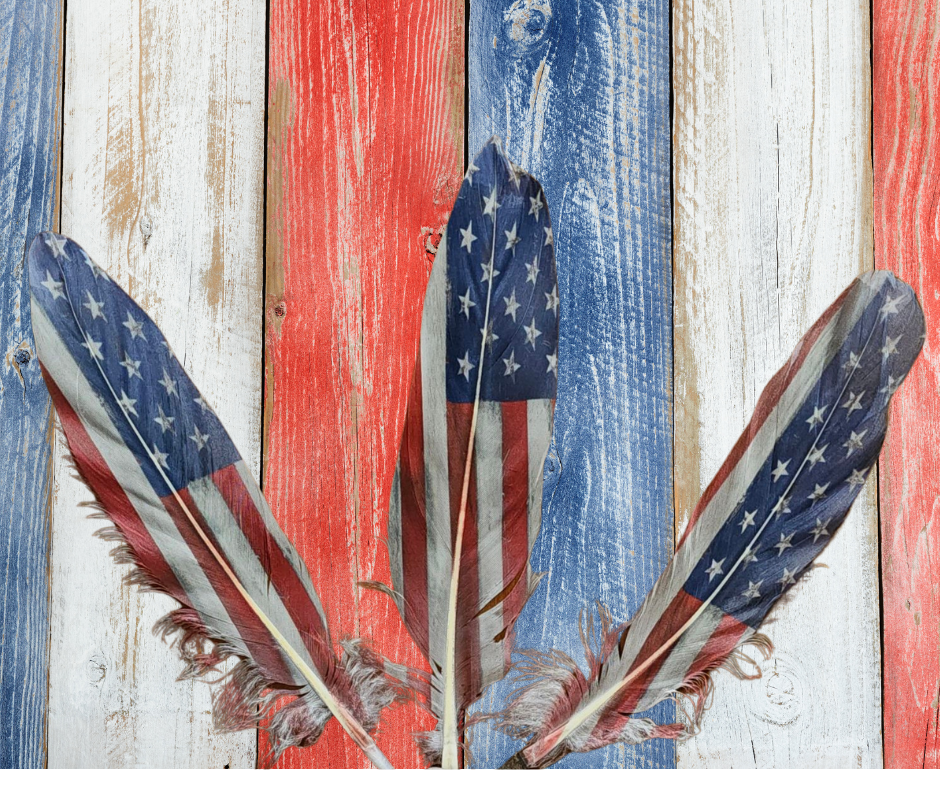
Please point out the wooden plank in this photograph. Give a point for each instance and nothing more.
(773, 218)
(30, 119)
(365, 157)
(579, 91)
(906, 87)
(163, 162)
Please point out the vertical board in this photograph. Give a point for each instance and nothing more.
(365, 154)
(773, 220)
(579, 91)
(30, 127)
(906, 80)
(163, 159)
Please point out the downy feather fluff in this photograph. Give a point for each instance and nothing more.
(772, 508)
(466, 501)
(188, 515)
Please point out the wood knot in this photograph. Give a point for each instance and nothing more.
(528, 21)
(280, 309)
(781, 692)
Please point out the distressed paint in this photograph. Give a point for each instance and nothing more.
(773, 218)
(162, 161)
(30, 119)
(365, 157)
(579, 90)
(906, 87)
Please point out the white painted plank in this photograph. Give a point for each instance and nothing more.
(162, 162)
(773, 218)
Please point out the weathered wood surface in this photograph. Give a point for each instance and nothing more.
(30, 127)
(906, 88)
(163, 159)
(579, 90)
(773, 218)
(365, 157)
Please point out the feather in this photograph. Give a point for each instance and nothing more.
(466, 499)
(188, 515)
(774, 505)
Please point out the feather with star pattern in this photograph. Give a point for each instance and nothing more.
(188, 516)
(466, 499)
(772, 508)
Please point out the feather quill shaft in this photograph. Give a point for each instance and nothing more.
(793, 476)
(465, 504)
(187, 512)
(450, 732)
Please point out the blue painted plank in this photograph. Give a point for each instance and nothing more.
(579, 90)
(30, 115)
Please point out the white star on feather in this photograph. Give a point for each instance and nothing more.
(467, 238)
(465, 303)
(160, 458)
(853, 363)
(465, 366)
(854, 442)
(818, 494)
(537, 205)
(490, 205)
(750, 555)
(551, 301)
(132, 367)
(56, 243)
(489, 272)
(127, 404)
(511, 366)
(780, 470)
(784, 543)
(857, 479)
(165, 422)
(95, 307)
(853, 403)
(890, 307)
(54, 286)
(788, 579)
(531, 334)
(470, 170)
(93, 348)
(532, 271)
(489, 336)
(820, 531)
(512, 306)
(817, 455)
(549, 237)
(782, 506)
(890, 346)
(753, 590)
(136, 327)
(512, 238)
(817, 417)
(552, 364)
(715, 569)
(748, 520)
(199, 439)
(168, 384)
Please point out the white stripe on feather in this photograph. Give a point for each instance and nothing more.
(488, 462)
(539, 428)
(437, 483)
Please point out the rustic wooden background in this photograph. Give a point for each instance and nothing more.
(269, 179)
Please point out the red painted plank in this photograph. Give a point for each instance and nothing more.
(906, 149)
(365, 157)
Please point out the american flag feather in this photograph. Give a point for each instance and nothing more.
(189, 516)
(466, 500)
(774, 505)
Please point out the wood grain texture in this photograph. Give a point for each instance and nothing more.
(579, 90)
(365, 158)
(773, 218)
(906, 88)
(30, 127)
(163, 159)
